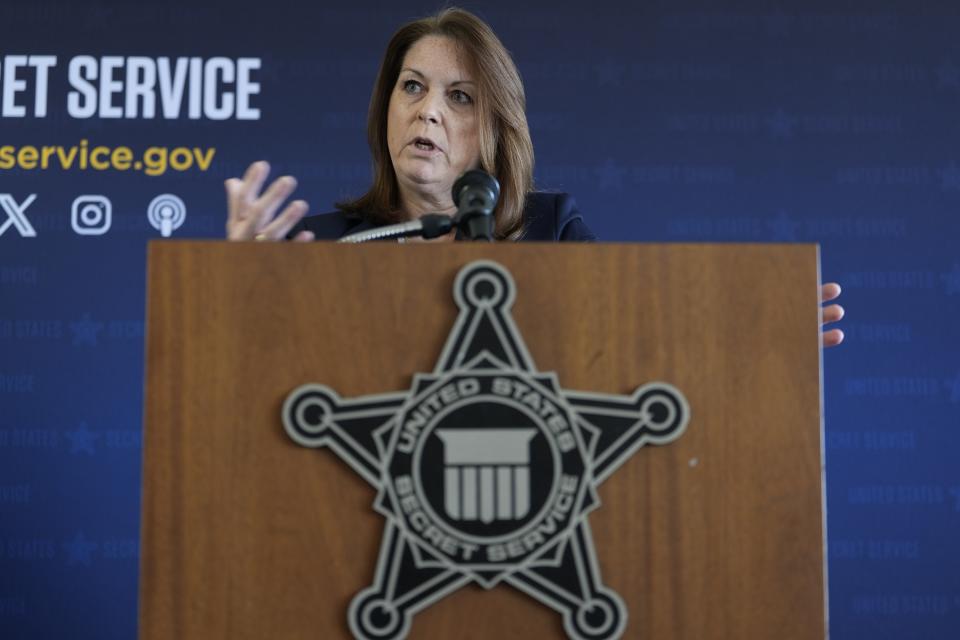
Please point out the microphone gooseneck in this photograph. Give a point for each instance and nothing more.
(431, 225)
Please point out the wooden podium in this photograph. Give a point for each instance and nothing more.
(245, 534)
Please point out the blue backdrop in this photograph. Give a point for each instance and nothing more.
(670, 121)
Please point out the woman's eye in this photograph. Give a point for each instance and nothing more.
(411, 86)
(460, 97)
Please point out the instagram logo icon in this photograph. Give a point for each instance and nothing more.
(91, 215)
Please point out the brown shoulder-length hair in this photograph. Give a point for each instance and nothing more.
(506, 150)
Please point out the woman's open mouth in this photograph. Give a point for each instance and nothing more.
(424, 144)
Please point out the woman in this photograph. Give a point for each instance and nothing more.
(447, 99)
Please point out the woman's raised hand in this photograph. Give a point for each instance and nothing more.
(831, 313)
(250, 214)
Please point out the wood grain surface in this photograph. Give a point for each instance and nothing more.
(246, 535)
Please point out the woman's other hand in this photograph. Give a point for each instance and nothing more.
(250, 214)
(831, 313)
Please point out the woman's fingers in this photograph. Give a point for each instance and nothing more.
(832, 338)
(267, 204)
(253, 180)
(250, 213)
(283, 223)
(233, 187)
(829, 291)
(304, 236)
(239, 225)
(832, 313)
(240, 222)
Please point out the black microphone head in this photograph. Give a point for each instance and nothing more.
(476, 193)
(475, 179)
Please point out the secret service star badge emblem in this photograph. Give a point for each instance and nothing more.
(486, 470)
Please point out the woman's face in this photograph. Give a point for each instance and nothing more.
(432, 122)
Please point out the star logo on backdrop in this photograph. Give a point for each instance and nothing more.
(952, 279)
(783, 228)
(948, 75)
(610, 174)
(82, 440)
(609, 72)
(79, 550)
(950, 177)
(781, 124)
(85, 331)
(954, 385)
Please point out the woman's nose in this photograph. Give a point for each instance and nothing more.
(429, 115)
(430, 109)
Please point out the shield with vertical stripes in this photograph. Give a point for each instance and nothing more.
(486, 473)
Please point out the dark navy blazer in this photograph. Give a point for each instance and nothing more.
(548, 217)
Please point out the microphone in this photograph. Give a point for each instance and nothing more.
(476, 193)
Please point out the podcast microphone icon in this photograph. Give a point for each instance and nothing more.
(166, 213)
